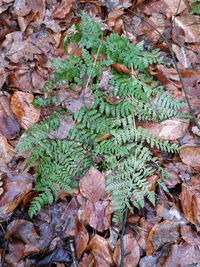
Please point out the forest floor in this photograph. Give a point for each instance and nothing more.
(75, 231)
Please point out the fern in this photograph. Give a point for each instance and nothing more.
(127, 151)
(196, 8)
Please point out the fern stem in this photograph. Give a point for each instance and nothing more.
(122, 236)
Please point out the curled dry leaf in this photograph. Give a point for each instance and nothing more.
(23, 109)
(190, 200)
(92, 185)
(14, 192)
(131, 250)
(190, 155)
(171, 129)
(161, 234)
(9, 127)
(121, 68)
(101, 251)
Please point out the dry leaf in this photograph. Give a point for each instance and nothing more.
(113, 16)
(171, 129)
(6, 152)
(92, 185)
(62, 9)
(14, 192)
(190, 200)
(161, 234)
(101, 251)
(15, 253)
(131, 250)
(96, 217)
(9, 127)
(81, 239)
(190, 155)
(66, 124)
(23, 109)
(121, 68)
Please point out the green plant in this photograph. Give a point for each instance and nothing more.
(126, 150)
(196, 8)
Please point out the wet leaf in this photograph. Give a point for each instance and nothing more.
(92, 185)
(131, 250)
(23, 109)
(6, 152)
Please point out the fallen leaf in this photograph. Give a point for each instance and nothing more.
(81, 239)
(131, 250)
(161, 234)
(190, 26)
(14, 191)
(121, 68)
(189, 235)
(170, 129)
(101, 251)
(92, 185)
(113, 16)
(114, 4)
(62, 9)
(15, 253)
(9, 127)
(190, 201)
(190, 155)
(23, 109)
(66, 124)
(6, 152)
(96, 217)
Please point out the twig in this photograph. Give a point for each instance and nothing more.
(121, 238)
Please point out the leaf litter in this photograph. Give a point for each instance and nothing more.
(78, 229)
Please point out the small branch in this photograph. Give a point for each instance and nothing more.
(121, 238)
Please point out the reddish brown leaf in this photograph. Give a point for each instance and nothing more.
(113, 16)
(190, 200)
(9, 127)
(15, 253)
(121, 68)
(163, 233)
(23, 109)
(95, 215)
(81, 239)
(152, 180)
(14, 191)
(62, 9)
(131, 250)
(6, 152)
(171, 129)
(92, 185)
(101, 251)
(190, 155)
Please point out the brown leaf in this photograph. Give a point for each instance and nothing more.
(2, 76)
(171, 129)
(189, 235)
(190, 200)
(14, 191)
(190, 155)
(81, 239)
(101, 251)
(15, 253)
(121, 68)
(37, 6)
(161, 234)
(9, 127)
(62, 9)
(6, 152)
(113, 16)
(131, 250)
(92, 185)
(23, 109)
(95, 215)
(66, 124)
(182, 255)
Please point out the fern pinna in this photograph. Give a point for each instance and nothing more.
(126, 151)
